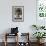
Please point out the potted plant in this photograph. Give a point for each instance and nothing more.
(38, 27)
(35, 27)
(42, 27)
(39, 35)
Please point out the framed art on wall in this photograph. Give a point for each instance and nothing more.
(41, 12)
(41, 8)
(17, 13)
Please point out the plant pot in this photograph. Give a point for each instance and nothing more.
(40, 41)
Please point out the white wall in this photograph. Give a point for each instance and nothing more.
(6, 15)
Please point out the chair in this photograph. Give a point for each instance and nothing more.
(26, 37)
(14, 32)
(8, 36)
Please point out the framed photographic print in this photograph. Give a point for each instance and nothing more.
(17, 13)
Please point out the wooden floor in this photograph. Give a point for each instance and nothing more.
(13, 44)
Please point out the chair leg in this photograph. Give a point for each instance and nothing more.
(5, 40)
(5, 43)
